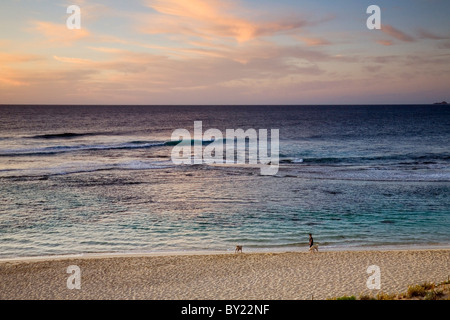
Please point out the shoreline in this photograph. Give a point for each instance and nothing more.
(221, 275)
(124, 254)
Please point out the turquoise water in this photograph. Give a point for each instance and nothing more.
(100, 179)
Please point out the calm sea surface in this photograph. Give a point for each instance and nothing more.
(85, 179)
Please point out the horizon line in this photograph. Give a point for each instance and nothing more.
(225, 105)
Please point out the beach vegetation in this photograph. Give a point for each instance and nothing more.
(446, 281)
(415, 291)
(424, 291)
(346, 298)
(385, 296)
(366, 297)
(433, 295)
(428, 285)
(420, 290)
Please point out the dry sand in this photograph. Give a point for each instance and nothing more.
(270, 276)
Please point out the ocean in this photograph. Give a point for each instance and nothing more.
(100, 179)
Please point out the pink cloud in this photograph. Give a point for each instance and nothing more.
(212, 19)
(395, 33)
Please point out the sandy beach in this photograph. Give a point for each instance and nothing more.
(271, 276)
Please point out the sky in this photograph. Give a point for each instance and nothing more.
(224, 52)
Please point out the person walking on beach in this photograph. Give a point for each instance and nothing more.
(312, 247)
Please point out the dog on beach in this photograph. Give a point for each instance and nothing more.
(238, 249)
(314, 248)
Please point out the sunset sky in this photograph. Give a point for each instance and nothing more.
(224, 52)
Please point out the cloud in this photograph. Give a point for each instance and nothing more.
(445, 45)
(373, 69)
(397, 34)
(8, 78)
(58, 33)
(10, 63)
(312, 42)
(10, 58)
(385, 42)
(125, 74)
(424, 34)
(72, 60)
(198, 51)
(213, 19)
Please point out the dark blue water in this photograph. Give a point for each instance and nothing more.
(77, 179)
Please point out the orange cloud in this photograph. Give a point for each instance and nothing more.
(59, 33)
(9, 58)
(385, 42)
(197, 9)
(312, 42)
(72, 60)
(9, 78)
(211, 19)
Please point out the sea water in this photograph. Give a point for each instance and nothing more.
(100, 179)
